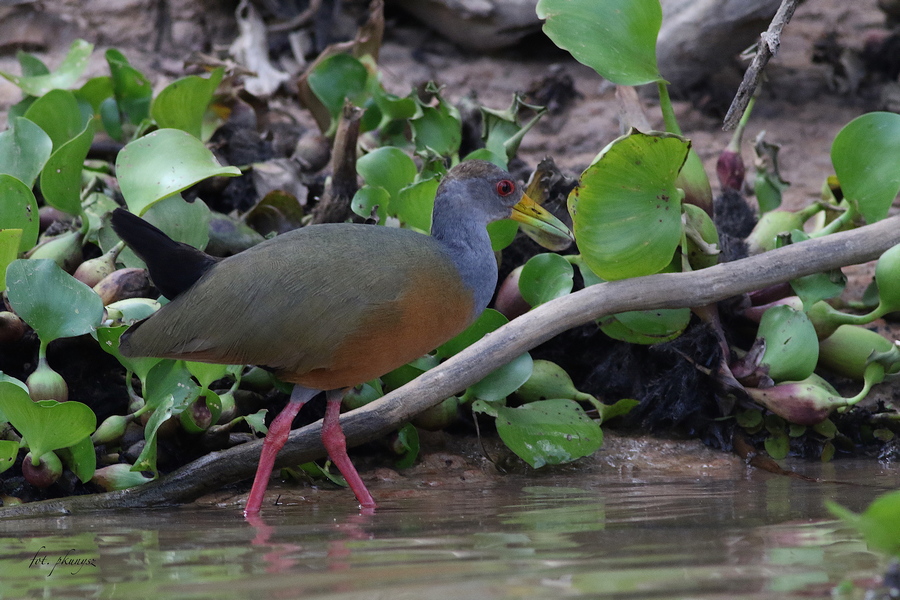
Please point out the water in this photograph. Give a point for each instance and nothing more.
(759, 536)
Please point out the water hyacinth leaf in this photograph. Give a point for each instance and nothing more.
(408, 441)
(80, 458)
(818, 286)
(146, 460)
(415, 203)
(95, 92)
(777, 446)
(61, 176)
(502, 233)
(131, 88)
(866, 159)
(206, 373)
(387, 167)
(620, 408)
(792, 346)
(887, 274)
(31, 65)
(63, 77)
(437, 129)
(501, 131)
(163, 163)
(371, 202)
(19, 210)
(24, 150)
(505, 380)
(646, 326)
(879, 523)
(46, 425)
(336, 79)
(628, 30)
(545, 277)
(57, 113)
(8, 452)
(550, 432)
(52, 302)
(170, 380)
(9, 249)
(108, 338)
(487, 322)
(626, 210)
(182, 103)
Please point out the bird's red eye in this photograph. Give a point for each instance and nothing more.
(505, 187)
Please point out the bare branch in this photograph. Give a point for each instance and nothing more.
(767, 47)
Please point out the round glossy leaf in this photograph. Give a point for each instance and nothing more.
(415, 203)
(95, 92)
(371, 202)
(616, 38)
(8, 452)
(24, 150)
(108, 338)
(487, 322)
(879, 523)
(81, 459)
(887, 274)
(502, 233)
(505, 380)
(57, 113)
(866, 159)
(9, 250)
(626, 210)
(545, 277)
(19, 210)
(46, 425)
(387, 167)
(437, 130)
(335, 79)
(61, 176)
(647, 326)
(792, 346)
(132, 89)
(63, 77)
(548, 432)
(182, 103)
(818, 286)
(164, 163)
(206, 373)
(54, 303)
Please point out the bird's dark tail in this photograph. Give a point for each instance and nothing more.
(173, 266)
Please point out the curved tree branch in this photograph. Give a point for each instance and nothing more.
(669, 290)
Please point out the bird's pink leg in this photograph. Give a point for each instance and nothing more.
(278, 434)
(336, 445)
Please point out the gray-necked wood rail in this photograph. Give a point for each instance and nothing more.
(328, 307)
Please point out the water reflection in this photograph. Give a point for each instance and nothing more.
(761, 536)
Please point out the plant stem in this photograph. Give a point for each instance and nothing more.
(842, 219)
(665, 105)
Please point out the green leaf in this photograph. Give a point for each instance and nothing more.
(95, 92)
(408, 439)
(546, 277)
(437, 129)
(879, 523)
(24, 150)
(866, 159)
(185, 222)
(9, 450)
(19, 210)
(792, 346)
(626, 210)
(371, 202)
(206, 373)
(57, 113)
(164, 163)
(487, 322)
(81, 459)
(131, 88)
(505, 380)
(646, 326)
(777, 446)
(65, 75)
(146, 461)
(54, 303)
(415, 203)
(548, 432)
(620, 408)
(31, 64)
(108, 338)
(616, 38)
(502, 233)
(170, 380)
(335, 79)
(61, 176)
(387, 167)
(9, 249)
(182, 103)
(46, 425)
(818, 286)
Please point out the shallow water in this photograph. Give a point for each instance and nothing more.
(757, 536)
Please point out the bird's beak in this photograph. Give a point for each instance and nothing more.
(540, 225)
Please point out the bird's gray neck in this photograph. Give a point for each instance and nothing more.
(467, 244)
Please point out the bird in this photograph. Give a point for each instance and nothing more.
(328, 307)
